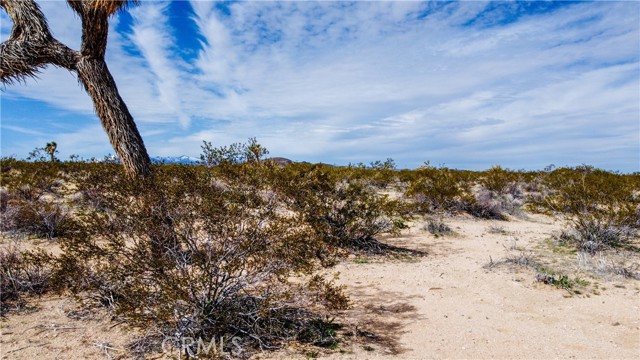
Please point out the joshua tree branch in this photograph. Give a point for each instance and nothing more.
(31, 47)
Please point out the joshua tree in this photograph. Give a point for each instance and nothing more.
(31, 47)
(51, 149)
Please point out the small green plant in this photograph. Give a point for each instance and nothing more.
(561, 281)
(361, 260)
(558, 280)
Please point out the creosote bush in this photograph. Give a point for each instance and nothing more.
(497, 179)
(380, 174)
(31, 199)
(183, 254)
(22, 273)
(602, 208)
(443, 190)
(343, 213)
(206, 251)
(233, 154)
(438, 189)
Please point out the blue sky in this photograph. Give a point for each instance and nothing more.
(466, 84)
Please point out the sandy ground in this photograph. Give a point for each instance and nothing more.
(450, 303)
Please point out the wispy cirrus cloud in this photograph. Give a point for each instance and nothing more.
(151, 35)
(469, 84)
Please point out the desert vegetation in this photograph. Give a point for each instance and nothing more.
(242, 247)
(601, 208)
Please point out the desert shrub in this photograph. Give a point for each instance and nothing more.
(236, 153)
(328, 293)
(493, 229)
(31, 200)
(592, 236)
(21, 273)
(601, 208)
(90, 180)
(624, 264)
(437, 190)
(33, 179)
(500, 191)
(512, 204)
(380, 174)
(443, 190)
(40, 218)
(483, 205)
(343, 213)
(4, 200)
(438, 227)
(191, 257)
(497, 179)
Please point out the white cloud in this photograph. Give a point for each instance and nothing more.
(343, 82)
(151, 36)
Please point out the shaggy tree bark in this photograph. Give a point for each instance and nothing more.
(31, 47)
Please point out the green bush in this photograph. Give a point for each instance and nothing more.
(601, 208)
(343, 213)
(233, 154)
(438, 190)
(191, 255)
(497, 179)
(380, 174)
(32, 199)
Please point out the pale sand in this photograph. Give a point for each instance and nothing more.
(446, 304)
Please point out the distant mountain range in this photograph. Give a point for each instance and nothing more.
(189, 160)
(184, 159)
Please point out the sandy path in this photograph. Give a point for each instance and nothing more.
(446, 305)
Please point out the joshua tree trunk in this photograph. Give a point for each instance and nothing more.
(31, 47)
(114, 115)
